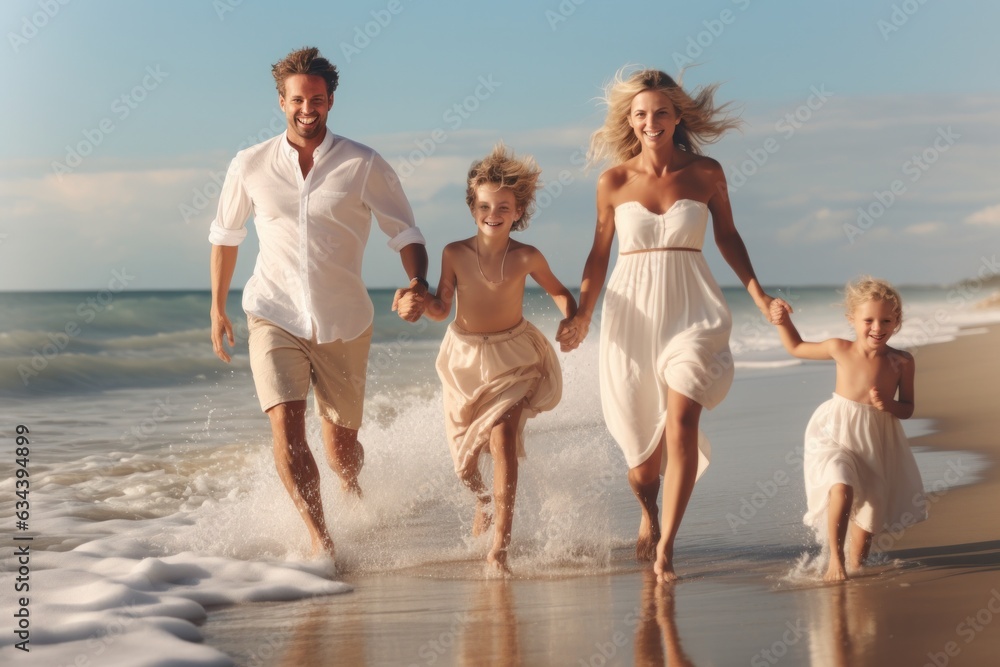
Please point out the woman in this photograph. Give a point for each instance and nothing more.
(665, 325)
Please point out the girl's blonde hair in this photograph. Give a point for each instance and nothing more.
(502, 169)
(866, 289)
(701, 121)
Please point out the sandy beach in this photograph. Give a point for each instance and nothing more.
(934, 600)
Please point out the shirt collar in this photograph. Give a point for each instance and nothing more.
(320, 151)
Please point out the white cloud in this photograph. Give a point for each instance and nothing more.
(816, 227)
(925, 228)
(987, 216)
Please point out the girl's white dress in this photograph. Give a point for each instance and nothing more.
(664, 324)
(861, 446)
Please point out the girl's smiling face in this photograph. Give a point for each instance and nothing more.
(874, 321)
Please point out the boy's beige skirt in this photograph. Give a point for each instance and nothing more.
(485, 375)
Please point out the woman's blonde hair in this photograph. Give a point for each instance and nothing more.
(866, 289)
(502, 169)
(701, 121)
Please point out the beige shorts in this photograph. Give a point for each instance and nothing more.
(285, 365)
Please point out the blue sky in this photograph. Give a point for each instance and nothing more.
(871, 144)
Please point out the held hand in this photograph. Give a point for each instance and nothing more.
(778, 311)
(572, 332)
(409, 304)
(566, 335)
(876, 399)
(221, 325)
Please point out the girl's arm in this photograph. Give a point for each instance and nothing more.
(728, 239)
(902, 407)
(793, 342)
(595, 270)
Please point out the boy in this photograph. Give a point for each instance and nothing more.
(496, 368)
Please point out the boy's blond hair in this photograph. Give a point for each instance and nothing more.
(502, 169)
(866, 289)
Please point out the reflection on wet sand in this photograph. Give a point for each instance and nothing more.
(842, 626)
(657, 641)
(489, 635)
(310, 643)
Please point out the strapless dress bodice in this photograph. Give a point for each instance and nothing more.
(681, 226)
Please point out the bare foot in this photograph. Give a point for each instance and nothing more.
(322, 546)
(835, 572)
(664, 565)
(649, 536)
(483, 518)
(497, 560)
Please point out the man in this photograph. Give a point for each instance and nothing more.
(312, 195)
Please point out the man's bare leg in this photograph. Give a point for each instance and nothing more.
(838, 514)
(298, 471)
(645, 482)
(344, 453)
(681, 437)
(503, 448)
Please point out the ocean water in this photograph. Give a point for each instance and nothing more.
(148, 491)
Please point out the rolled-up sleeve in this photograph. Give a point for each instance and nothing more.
(384, 195)
(235, 207)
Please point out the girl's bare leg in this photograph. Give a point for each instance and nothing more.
(503, 448)
(837, 517)
(861, 544)
(683, 415)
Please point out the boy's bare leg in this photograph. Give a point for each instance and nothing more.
(483, 519)
(298, 471)
(861, 544)
(503, 448)
(683, 415)
(344, 453)
(837, 517)
(645, 482)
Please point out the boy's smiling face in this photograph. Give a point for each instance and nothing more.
(874, 321)
(495, 210)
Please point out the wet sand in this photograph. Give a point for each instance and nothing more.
(937, 603)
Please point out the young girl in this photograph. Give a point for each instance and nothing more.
(858, 465)
(496, 368)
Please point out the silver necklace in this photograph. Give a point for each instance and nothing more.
(502, 261)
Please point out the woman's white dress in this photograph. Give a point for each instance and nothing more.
(664, 324)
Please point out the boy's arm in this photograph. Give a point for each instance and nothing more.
(902, 407)
(438, 305)
(565, 334)
(542, 274)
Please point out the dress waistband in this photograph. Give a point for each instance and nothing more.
(491, 336)
(634, 252)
